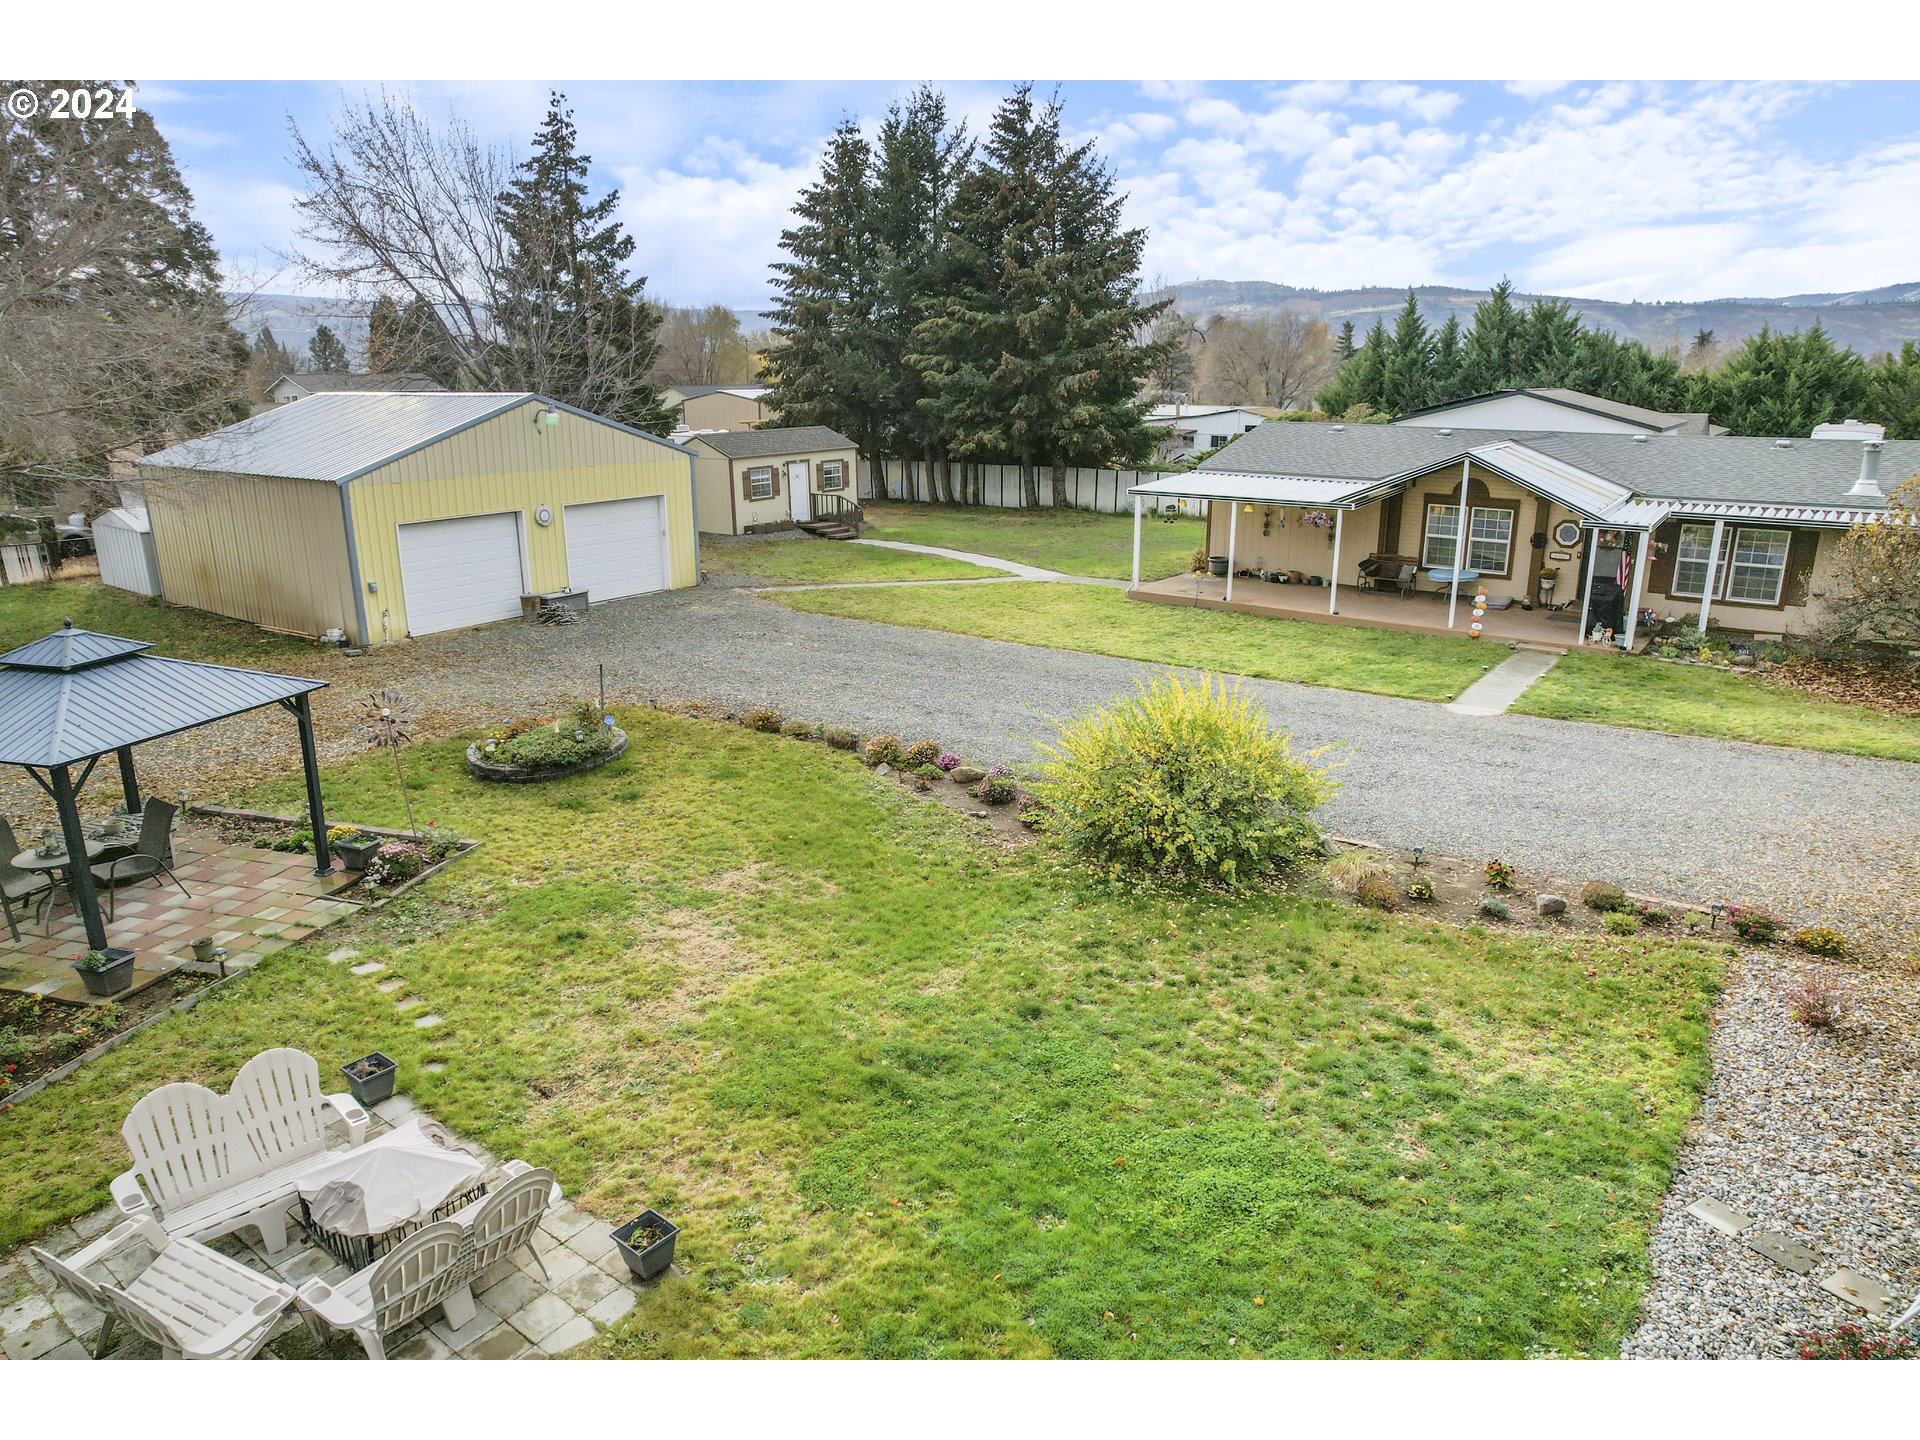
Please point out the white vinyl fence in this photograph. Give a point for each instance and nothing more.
(999, 485)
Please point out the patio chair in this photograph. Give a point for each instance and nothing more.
(505, 1221)
(152, 854)
(193, 1302)
(15, 883)
(423, 1271)
(1406, 580)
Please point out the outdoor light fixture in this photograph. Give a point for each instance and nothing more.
(1716, 909)
(548, 417)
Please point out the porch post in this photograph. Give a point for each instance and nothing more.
(1587, 539)
(1459, 544)
(1713, 574)
(1233, 527)
(86, 898)
(1633, 599)
(129, 781)
(1333, 580)
(316, 807)
(1139, 502)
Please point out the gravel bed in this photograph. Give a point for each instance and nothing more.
(1806, 1133)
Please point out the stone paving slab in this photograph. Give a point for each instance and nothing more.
(1862, 1292)
(1722, 1217)
(1783, 1250)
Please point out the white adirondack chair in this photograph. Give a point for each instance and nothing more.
(422, 1271)
(207, 1164)
(193, 1302)
(505, 1221)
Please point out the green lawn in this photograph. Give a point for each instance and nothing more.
(912, 1095)
(1695, 700)
(1106, 622)
(822, 562)
(28, 612)
(1074, 542)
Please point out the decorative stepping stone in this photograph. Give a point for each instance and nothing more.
(1783, 1250)
(433, 1067)
(412, 1002)
(372, 967)
(1860, 1291)
(345, 952)
(387, 987)
(1723, 1218)
(427, 1022)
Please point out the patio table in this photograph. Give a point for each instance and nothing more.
(60, 867)
(1443, 575)
(359, 1204)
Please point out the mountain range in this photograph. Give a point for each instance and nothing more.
(1869, 321)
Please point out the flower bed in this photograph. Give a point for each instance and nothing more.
(541, 754)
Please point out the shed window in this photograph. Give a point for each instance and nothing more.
(760, 483)
(833, 475)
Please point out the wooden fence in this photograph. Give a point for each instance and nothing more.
(1104, 491)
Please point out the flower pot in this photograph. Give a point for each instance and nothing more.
(1217, 566)
(203, 949)
(370, 1078)
(355, 856)
(650, 1260)
(111, 978)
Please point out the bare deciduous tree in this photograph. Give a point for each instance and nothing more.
(1277, 360)
(702, 345)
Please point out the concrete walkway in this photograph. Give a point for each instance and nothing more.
(1494, 692)
(995, 562)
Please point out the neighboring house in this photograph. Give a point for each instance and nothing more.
(1740, 529)
(382, 516)
(1193, 429)
(1561, 410)
(757, 480)
(298, 387)
(719, 407)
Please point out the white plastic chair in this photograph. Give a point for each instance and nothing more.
(422, 1271)
(505, 1221)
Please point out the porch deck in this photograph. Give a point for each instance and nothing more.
(1424, 613)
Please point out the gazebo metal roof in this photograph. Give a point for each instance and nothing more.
(76, 694)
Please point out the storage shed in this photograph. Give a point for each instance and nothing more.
(752, 481)
(387, 515)
(123, 539)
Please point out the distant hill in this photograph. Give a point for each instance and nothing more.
(1867, 320)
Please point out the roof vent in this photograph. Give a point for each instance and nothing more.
(1868, 485)
(1339, 427)
(1445, 431)
(1641, 439)
(1783, 444)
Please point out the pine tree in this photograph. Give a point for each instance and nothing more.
(1407, 366)
(325, 352)
(1490, 358)
(824, 370)
(576, 326)
(1033, 355)
(1893, 393)
(1361, 381)
(385, 351)
(1343, 345)
(1447, 358)
(1782, 383)
(267, 361)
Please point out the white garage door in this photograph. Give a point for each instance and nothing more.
(617, 547)
(460, 572)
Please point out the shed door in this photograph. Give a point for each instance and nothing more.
(460, 572)
(617, 547)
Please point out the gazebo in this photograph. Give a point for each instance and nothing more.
(73, 698)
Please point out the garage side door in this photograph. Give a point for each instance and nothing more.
(460, 572)
(617, 547)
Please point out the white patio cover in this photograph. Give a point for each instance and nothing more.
(398, 1179)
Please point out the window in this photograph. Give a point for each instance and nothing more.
(1214, 442)
(1489, 538)
(760, 483)
(1690, 560)
(1759, 566)
(833, 475)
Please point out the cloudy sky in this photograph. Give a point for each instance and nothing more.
(1650, 191)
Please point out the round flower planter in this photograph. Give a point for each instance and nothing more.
(484, 769)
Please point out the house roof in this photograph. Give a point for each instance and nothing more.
(1605, 477)
(746, 389)
(341, 436)
(790, 440)
(1263, 489)
(318, 382)
(75, 694)
(1665, 422)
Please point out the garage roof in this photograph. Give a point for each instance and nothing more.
(341, 436)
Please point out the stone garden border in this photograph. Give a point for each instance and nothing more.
(484, 769)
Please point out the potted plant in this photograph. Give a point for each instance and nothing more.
(105, 972)
(203, 949)
(370, 1078)
(356, 847)
(646, 1243)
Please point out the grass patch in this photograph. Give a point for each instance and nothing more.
(1106, 622)
(1074, 542)
(1697, 700)
(912, 1096)
(825, 562)
(28, 612)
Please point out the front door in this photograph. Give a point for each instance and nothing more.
(800, 497)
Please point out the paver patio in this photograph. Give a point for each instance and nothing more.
(517, 1313)
(251, 901)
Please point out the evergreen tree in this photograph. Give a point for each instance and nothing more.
(573, 323)
(325, 352)
(1407, 370)
(1343, 344)
(1362, 379)
(1447, 358)
(824, 369)
(1490, 358)
(385, 349)
(267, 361)
(1781, 383)
(1033, 355)
(1893, 393)
(1549, 334)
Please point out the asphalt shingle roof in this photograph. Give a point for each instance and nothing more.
(792, 440)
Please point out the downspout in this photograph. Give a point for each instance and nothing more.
(363, 639)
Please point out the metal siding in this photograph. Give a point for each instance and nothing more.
(258, 548)
(510, 463)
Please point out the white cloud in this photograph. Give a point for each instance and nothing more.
(1534, 89)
